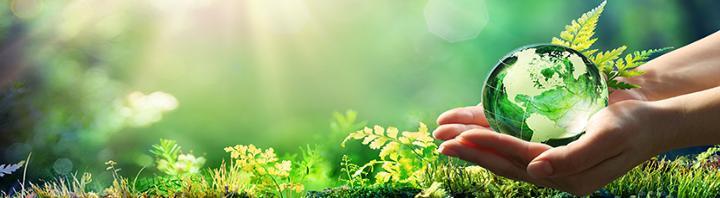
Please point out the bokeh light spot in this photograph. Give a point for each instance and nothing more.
(280, 16)
(63, 166)
(26, 9)
(456, 21)
(143, 110)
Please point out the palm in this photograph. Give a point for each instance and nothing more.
(469, 137)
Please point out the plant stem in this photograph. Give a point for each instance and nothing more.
(277, 186)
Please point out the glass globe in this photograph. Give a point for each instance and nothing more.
(544, 93)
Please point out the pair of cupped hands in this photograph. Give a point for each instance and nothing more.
(617, 139)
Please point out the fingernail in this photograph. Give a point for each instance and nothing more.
(445, 151)
(540, 169)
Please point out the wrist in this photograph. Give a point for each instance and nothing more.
(670, 122)
(645, 91)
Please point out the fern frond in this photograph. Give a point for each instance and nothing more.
(404, 155)
(631, 73)
(377, 137)
(624, 67)
(606, 60)
(7, 169)
(390, 150)
(590, 52)
(637, 58)
(621, 85)
(579, 34)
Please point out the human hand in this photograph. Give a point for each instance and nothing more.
(618, 138)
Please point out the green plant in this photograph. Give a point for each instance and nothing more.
(678, 178)
(434, 191)
(230, 180)
(408, 167)
(72, 187)
(119, 187)
(405, 157)
(267, 175)
(171, 161)
(351, 174)
(344, 123)
(579, 35)
(475, 181)
(707, 157)
(161, 186)
(313, 169)
(654, 178)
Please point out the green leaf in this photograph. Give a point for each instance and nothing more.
(637, 58)
(579, 34)
(614, 84)
(631, 73)
(606, 60)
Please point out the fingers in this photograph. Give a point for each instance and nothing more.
(464, 115)
(500, 153)
(586, 152)
(483, 157)
(522, 151)
(450, 131)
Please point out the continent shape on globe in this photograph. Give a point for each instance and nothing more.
(543, 93)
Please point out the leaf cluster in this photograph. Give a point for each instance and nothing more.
(172, 161)
(580, 36)
(352, 175)
(266, 174)
(405, 157)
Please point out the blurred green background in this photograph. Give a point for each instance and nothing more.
(77, 77)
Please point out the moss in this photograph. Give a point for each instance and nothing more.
(362, 192)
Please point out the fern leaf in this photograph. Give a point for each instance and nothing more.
(379, 130)
(378, 143)
(383, 177)
(590, 52)
(7, 169)
(369, 139)
(423, 128)
(605, 60)
(353, 136)
(621, 85)
(390, 150)
(561, 42)
(361, 169)
(579, 34)
(392, 132)
(631, 73)
(635, 59)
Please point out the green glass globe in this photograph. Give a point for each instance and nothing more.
(544, 93)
